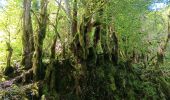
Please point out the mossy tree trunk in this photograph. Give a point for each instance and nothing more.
(27, 37)
(38, 68)
(9, 68)
(50, 71)
(74, 27)
(9, 55)
(162, 47)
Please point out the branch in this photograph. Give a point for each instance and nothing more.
(59, 3)
(36, 17)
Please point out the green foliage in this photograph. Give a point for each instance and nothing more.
(10, 26)
(140, 33)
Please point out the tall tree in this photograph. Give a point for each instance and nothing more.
(50, 72)
(38, 68)
(27, 37)
(74, 25)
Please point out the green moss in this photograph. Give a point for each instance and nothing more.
(113, 87)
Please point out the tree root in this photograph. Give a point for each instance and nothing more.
(23, 78)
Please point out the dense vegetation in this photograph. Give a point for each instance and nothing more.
(84, 50)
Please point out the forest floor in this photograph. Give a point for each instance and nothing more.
(154, 84)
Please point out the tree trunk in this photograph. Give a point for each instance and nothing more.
(67, 7)
(38, 68)
(10, 50)
(27, 38)
(9, 69)
(74, 20)
(162, 48)
(74, 23)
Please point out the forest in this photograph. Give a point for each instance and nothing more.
(84, 49)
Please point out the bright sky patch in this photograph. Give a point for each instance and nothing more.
(157, 6)
(2, 3)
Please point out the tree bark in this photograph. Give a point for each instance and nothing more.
(10, 50)
(9, 69)
(27, 37)
(162, 47)
(38, 68)
(74, 20)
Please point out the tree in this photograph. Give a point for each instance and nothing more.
(27, 37)
(95, 49)
(38, 68)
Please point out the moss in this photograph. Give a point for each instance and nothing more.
(113, 87)
(165, 87)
